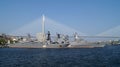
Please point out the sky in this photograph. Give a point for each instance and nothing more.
(91, 17)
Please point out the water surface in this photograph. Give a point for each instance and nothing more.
(64, 57)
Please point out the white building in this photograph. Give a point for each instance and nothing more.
(40, 37)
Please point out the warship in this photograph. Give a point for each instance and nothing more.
(44, 40)
(61, 41)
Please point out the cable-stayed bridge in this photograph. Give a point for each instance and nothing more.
(100, 36)
(53, 26)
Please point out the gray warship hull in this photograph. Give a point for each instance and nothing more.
(37, 45)
(85, 45)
